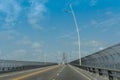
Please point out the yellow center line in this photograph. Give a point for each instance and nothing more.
(35, 73)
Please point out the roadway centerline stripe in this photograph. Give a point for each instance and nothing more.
(26, 71)
(58, 74)
(54, 76)
(81, 73)
(35, 73)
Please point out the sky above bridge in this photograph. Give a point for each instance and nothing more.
(39, 29)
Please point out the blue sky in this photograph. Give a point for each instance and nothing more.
(35, 29)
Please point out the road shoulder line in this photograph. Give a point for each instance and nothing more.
(80, 73)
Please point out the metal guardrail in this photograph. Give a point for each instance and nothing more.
(12, 65)
(112, 74)
(105, 62)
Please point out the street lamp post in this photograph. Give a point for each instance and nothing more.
(78, 33)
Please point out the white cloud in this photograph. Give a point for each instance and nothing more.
(76, 2)
(18, 47)
(24, 41)
(36, 13)
(93, 43)
(92, 46)
(105, 24)
(12, 9)
(28, 42)
(110, 22)
(16, 55)
(36, 45)
(75, 43)
(54, 28)
(87, 47)
(65, 36)
(5, 36)
(38, 50)
(71, 35)
(20, 52)
(8, 35)
(94, 22)
(104, 30)
(108, 13)
(93, 2)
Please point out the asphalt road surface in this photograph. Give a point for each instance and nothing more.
(59, 72)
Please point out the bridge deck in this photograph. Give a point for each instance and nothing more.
(61, 72)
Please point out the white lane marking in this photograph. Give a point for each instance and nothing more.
(81, 73)
(61, 70)
(57, 74)
(90, 76)
(54, 77)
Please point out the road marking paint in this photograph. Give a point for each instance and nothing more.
(35, 73)
(26, 71)
(81, 73)
(51, 78)
(62, 69)
(91, 77)
(57, 74)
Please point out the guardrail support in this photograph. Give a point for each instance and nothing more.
(110, 75)
(100, 71)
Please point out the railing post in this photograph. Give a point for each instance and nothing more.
(100, 71)
(110, 75)
(93, 70)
